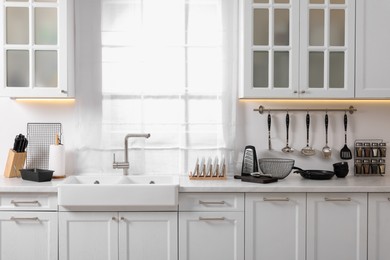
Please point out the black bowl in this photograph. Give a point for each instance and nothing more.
(341, 169)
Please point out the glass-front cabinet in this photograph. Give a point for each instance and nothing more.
(36, 39)
(297, 49)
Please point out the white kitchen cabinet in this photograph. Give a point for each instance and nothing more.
(275, 226)
(28, 235)
(378, 226)
(336, 226)
(113, 235)
(28, 226)
(297, 49)
(37, 48)
(213, 227)
(148, 235)
(372, 49)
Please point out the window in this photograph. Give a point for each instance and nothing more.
(161, 67)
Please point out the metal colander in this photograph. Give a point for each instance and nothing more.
(276, 167)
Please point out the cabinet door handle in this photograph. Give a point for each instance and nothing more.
(276, 199)
(212, 202)
(388, 199)
(337, 199)
(211, 219)
(16, 203)
(24, 219)
(114, 218)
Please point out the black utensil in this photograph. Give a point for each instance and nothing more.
(287, 149)
(345, 152)
(307, 150)
(269, 131)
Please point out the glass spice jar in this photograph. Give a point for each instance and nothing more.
(367, 150)
(374, 150)
(359, 150)
(358, 167)
(382, 149)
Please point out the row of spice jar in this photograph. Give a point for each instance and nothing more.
(370, 166)
(370, 149)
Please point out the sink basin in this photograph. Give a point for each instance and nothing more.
(116, 192)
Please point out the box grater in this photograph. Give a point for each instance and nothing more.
(40, 136)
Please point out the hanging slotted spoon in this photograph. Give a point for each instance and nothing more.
(307, 150)
(326, 151)
(345, 153)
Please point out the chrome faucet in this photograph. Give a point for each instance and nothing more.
(125, 165)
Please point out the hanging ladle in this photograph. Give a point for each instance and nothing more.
(287, 149)
(307, 150)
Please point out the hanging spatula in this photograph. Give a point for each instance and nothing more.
(345, 153)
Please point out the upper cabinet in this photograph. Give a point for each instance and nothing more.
(372, 49)
(37, 48)
(297, 49)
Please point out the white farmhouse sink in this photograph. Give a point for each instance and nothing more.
(117, 192)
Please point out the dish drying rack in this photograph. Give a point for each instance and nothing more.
(209, 171)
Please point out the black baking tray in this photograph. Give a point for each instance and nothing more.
(38, 175)
(259, 179)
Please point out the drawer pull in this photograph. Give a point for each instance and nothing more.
(16, 203)
(212, 202)
(337, 199)
(211, 219)
(276, 199)
(24, 219)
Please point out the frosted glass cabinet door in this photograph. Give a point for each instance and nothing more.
(270, 48)
(297, 49)
(37, 46)
(327, 48)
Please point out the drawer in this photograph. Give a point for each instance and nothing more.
(28, 201)
(211, 202)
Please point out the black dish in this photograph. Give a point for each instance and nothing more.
(341, 169)
(38, 175)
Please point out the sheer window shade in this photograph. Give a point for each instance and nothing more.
(166, 68)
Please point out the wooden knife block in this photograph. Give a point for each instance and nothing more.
(15, 162)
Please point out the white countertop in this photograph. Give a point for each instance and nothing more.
(20, 185)
(292, 183)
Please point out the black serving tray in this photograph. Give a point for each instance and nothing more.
(38, 175)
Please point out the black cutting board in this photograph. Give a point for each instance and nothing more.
(260, 179)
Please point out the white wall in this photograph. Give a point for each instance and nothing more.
(15, 115)
(372, 120)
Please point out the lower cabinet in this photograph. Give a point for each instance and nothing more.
(113, 235)
(211, 226)
(28, 235)
(336, 226)
(378, 226)
(275, 226)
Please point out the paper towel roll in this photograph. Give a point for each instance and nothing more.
(57, 160)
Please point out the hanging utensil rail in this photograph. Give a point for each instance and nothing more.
(261, 109)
